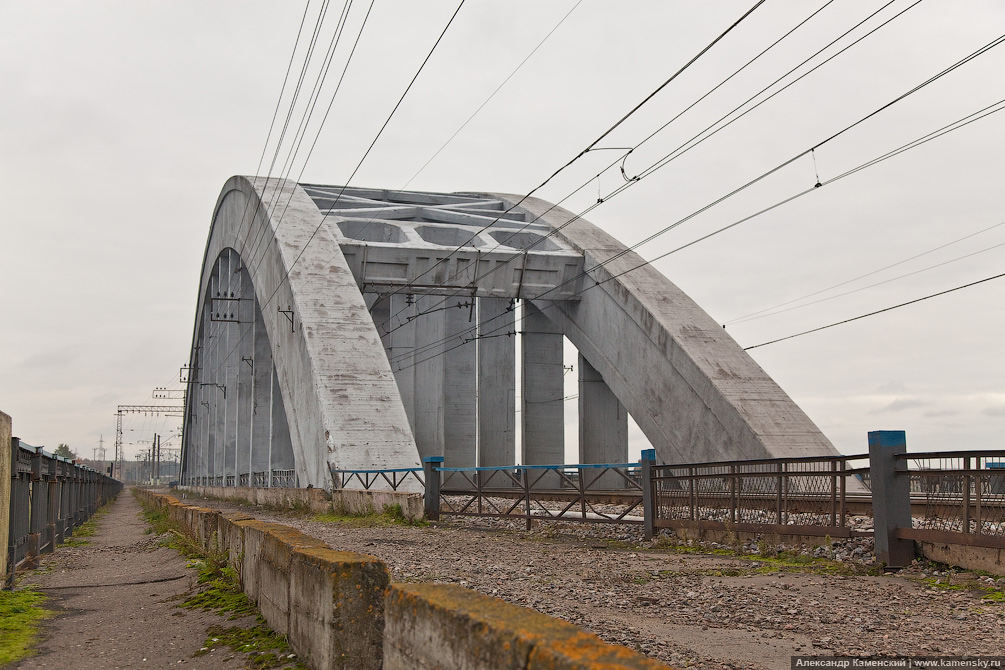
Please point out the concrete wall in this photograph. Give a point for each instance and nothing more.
(990, 559)
(339, 501)
(5, 467)
(461, 629)
(338, 609)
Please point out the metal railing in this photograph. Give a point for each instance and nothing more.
(50, 496)
(788, 496)
(284, 478)
(367, 479)
(595, 493)
(963, 494)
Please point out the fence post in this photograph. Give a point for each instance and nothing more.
(648, 511)
(6, 465)
(37, 507)
(891, 497)
(432, 477)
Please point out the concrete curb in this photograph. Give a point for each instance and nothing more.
(347, 501)
(338, 609)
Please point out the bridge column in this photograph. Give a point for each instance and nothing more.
(496, 384)
(261, 399)
(213, 378)
(400, 345)
(281, 452)
(603, 425)
(543, 390)
(231, 363)
(459, 385)
(199, 463)
(245, 313)
(427, 364)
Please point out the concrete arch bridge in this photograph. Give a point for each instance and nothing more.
(367, 328)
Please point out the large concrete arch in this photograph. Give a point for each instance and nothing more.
(371, 345)
(695, 393)
(335, 386)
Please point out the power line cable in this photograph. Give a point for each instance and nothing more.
(286, 274)
(960, 123)
(878, 311)
(317, 135)
(921, 140)
(880, 283)
(755, 315)
(315, 93)
(675, 153)
(592, 146)
(456, 132)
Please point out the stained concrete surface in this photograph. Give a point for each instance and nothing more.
(116, 603)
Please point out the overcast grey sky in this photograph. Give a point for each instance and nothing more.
(121, 121)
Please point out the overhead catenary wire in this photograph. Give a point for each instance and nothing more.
(925, 138)
(317, 135)
(315, 93)
(692, 143)
(763, 312)
(874, 313)
(275, 115)
(466, 122)
(286, 274)
(303, 249)
(960, 123)
(592, 145)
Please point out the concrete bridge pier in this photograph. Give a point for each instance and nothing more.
(281, 455)
(261, 400)
(244, 312)
(232, 363)
(603, 425)
(496, 383)
(459, 385)
(427, 363)
(543, 392)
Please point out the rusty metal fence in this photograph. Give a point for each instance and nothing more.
(961, 496)
(898, 497)
(391, 479)
(50, 496)
(786, 496)
(586, 492)
(264, 479)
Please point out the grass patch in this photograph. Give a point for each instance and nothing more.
(391, 516)
(74, 542)
(21, 612)
(265, 648)
(771, 561)
(220, 592)
(90, 527)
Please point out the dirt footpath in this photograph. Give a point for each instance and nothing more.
(116, 603)
(687, 609)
